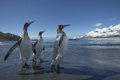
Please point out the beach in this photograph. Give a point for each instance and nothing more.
(86, 59)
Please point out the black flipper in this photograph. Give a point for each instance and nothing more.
(35, 43)
(34, 51)
(12, 48)
(61, 39)
(57, 45)
(34, 47)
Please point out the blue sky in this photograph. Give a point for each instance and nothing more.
(82, 15)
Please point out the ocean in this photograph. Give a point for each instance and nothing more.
(88, 59)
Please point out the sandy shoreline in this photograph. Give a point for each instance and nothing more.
(42, 71)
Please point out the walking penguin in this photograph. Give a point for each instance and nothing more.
(39, 47)
(25, 46)
(60, 47)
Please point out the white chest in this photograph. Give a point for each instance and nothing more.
(25, 46)
(40, 45)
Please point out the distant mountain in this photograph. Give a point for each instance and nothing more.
(8, 37)
(112, 31)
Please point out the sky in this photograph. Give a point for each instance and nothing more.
(82, 15)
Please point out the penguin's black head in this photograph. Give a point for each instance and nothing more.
(60, 27)
(25, 26)
(40, 33)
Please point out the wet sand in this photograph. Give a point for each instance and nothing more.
(42, 71)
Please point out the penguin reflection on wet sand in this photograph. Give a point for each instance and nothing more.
(60, 47)
(25, 46)
(38, 47)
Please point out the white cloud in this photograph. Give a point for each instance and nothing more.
(113, 19)
(98, 24)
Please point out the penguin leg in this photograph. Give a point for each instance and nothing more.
(23, 62)
(34, 60)
(58, 68)
(25, 65)
(53, 68)
(40, 60)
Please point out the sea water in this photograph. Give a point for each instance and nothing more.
(99, 53)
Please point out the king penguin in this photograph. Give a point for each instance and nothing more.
(60, 47)
(25, 46)
(38, 47)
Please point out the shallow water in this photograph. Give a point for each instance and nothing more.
(88, 59)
